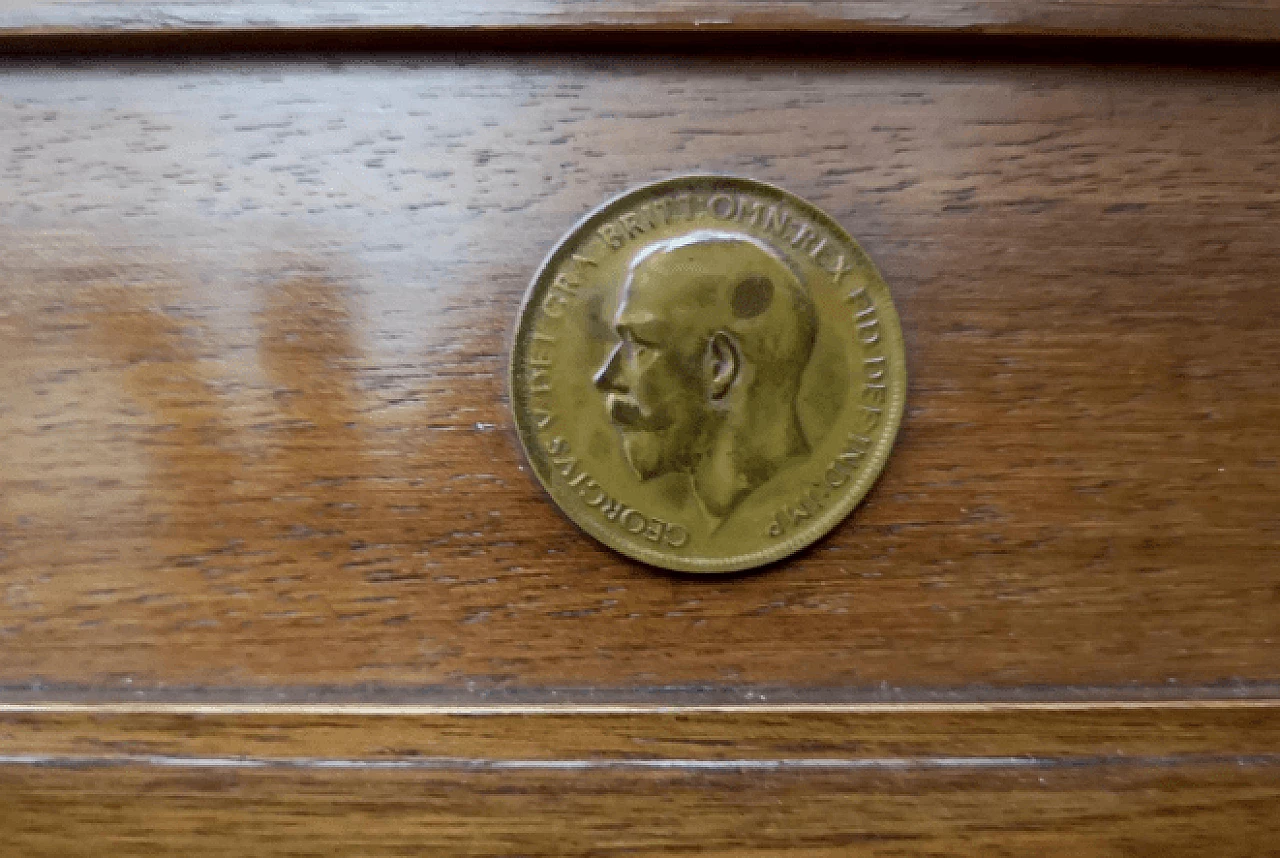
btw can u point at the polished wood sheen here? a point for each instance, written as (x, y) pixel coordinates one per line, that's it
(274, 580)
(1221, 810)
(255, 321)
(438, 21)
(795, 736)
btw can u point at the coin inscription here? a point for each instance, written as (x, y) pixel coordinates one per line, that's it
(707, 374)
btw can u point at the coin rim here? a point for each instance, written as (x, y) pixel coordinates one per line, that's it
(874, 464)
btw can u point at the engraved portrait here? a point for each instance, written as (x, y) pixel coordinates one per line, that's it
(714, 332)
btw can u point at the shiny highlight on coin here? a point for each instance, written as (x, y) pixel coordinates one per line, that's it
(707, 374)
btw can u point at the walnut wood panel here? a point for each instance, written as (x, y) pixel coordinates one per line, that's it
(1246, 20)
(254, 318)
(1117, 810)
(812, 734)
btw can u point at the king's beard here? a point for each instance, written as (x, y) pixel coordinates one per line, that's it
(643, 451)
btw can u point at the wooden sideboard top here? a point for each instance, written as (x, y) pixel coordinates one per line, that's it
(274, 579)
(256, 318)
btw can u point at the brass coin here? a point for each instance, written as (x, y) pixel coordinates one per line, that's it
(707, 373)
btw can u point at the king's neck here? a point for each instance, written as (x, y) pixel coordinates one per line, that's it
(749, 447)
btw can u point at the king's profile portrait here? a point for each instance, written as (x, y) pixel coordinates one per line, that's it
(714, 332)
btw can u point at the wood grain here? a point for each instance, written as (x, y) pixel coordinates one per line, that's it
(1052, 810)
(885, 735)
(254, 318)
(1178, 778)
(438, 21)
(259, 488)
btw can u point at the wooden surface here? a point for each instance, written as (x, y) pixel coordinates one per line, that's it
(438, 21)
(1013, 779)
(255, 322)
(797, 736)
(1219, 810)
(274, 579)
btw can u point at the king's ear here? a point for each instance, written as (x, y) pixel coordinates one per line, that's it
(723, 362)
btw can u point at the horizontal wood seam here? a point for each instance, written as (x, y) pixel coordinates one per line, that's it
(359, 710)
(641, 764)
(861, 41)
(641, 738)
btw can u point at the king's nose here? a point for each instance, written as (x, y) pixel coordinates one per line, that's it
(606, 377)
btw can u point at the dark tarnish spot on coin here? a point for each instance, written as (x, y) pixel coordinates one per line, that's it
(601, 444)
(675, 492)
(599, 327)
(751, 297)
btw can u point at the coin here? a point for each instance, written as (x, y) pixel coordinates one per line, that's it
(707, 373)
